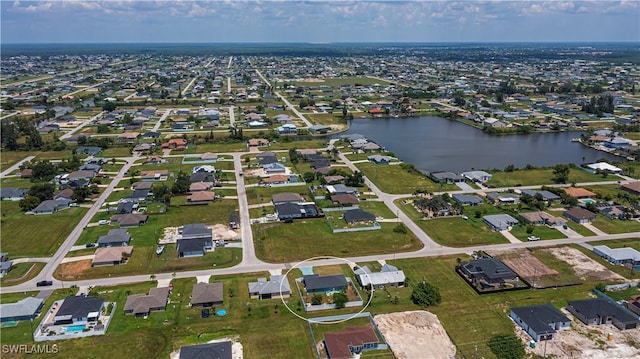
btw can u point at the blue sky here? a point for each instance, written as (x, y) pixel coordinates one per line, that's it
(318, 21)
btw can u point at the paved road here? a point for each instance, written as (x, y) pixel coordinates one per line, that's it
(56, 259)
(83, 124)
(248, 251)
(294, 109)
(13, 168)
(232, 116)
(156, 127)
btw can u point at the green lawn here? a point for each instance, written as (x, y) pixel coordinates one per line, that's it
(543, 232)
(580, 229)
(21, 273)
(619, 243)
(116, 152)
(25, 235)
(614, 226)
(538, 177)
(286, 242)
(378, 208)
(395, 180)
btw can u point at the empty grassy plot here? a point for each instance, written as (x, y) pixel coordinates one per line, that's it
(21, 273)
(286, 242)
(614, 226)
(542, 232)
(394, 179)
(538, 176)
(26, 235)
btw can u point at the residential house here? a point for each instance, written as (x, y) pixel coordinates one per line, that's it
(314, 283)
(178, 144)
(25, 309)
(195, 241)
(467, 199)
(477, 176)
(202, 197)
(115, 238)
(12, 193)
(543, 218)
(633, 187)
(154, 175)
(633, 304)
(286, 197)
(5, 266)
(604, 167)
(142, 147)
(79, 309)
(201, 177)
(276, 287)
(289, 211)
(445, 177)
(200, 186)
(341, 189)
(279, 179)
(389, 276)
(354, 216)
(110, 256)
(504, 198)
(287, 128)
(580, 215)
(619, 256)
(129, 220)
(50, 206)
(127, 137)
(379, 160)
(64, 195)
(143, 304)
(81, 174)
(540, 321)
(217, 350)
(350, 343)
(500, 222)
(203, 168)
(333, 179)
(345, 199)
(274, 168)
(257, 142)
(142, 185)
(137, 196)
(613, 211)
(597, 311)
(207, 294)
(579, 193)
(488, 270)
(88, 150)
(546, 195)
(126, 207)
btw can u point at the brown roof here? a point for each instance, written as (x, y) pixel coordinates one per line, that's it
(203, 293)
(580, 213)
(142, 185)
(111, 254)
(633, 187)
(307, 151)
(344, 199)
(337, 343)
(201, 196)
(129, 219)
(286, 197)
(153, 173)
(26, 173)
(208, 155)
(332, 179)
(200, 186)
(65, 193)
(276, 178)
(129, 135)
(578, 192)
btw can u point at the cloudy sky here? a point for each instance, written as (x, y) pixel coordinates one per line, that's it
(318, 21)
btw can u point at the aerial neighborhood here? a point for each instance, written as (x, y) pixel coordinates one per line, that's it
(230, 202)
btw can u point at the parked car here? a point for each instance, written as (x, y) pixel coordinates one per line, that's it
(533, 238)
(103, 221)
(90, 245)
(44, 283)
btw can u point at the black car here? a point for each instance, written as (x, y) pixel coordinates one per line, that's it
(44, 283)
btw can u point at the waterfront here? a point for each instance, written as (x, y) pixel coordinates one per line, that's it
(437, 144)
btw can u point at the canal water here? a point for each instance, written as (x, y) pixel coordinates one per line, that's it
(437, 144)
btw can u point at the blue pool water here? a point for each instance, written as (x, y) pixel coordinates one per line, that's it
(221, 313)
(306, 270)
(75, 328)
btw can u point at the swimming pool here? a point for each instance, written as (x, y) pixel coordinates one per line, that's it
(587, 200)
(75, 328)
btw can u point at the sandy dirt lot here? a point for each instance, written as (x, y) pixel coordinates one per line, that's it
(415, 334)
(72, 269)
(583, 265)
(220, 232)
(525, 264)
(585, 342)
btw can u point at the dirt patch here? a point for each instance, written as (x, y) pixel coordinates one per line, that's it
(526, 265)
(581, 341)
(583, 265)
(222, 232)
(71, 270)
(415, 334)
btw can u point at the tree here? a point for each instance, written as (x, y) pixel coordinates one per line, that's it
(561, 173)
(43, 191)
(28, 203)
(161, 193)
(182, 184)
(80, 194)
(426, 294)
(316, 299)
(9, 135)
(309, 176)
(507, 346)
(109, 106)
(339, 299)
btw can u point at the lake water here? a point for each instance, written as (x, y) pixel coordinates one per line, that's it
(438, 144)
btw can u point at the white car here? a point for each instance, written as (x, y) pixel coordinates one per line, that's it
(533, 238)
(103, 221)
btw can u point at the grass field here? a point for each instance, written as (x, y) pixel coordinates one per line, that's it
(614, 226)
(395, 180)
(378, 208)
(538, 177)
(35, 235)
(280, 242)
(543, 232)
(580, 229)
(21, 273)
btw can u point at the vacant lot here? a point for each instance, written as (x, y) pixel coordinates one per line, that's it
(538, 177)
(393, 179)
(584, 266)
(26, 235)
